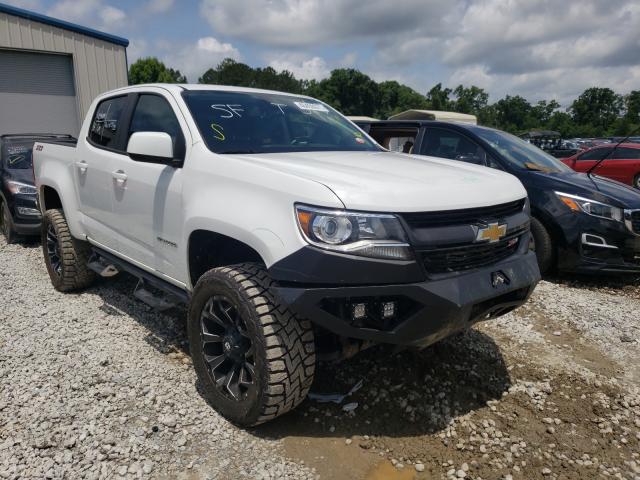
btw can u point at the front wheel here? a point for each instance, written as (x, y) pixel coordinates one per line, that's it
(636, 181)
(254, 357)
(66, 258)
(6, 224)
(542, 244)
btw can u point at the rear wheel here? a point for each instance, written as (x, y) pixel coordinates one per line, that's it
(6, 224)
(254, 357)
(542, 244)
(636, 181)
(66, 258)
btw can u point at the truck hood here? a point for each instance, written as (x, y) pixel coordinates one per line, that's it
(394, 182)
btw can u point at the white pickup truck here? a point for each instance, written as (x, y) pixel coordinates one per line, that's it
(289, 233)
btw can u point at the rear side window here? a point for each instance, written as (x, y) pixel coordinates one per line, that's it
(107, 122)
(450, 144)
(395, 140)
(627, 153)
(154, 114)
(595, 154)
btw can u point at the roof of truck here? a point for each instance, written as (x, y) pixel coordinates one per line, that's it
(180, 87)
(435, 115)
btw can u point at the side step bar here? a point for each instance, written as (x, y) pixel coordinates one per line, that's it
(106, 262)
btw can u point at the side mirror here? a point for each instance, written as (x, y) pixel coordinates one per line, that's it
(152, 147)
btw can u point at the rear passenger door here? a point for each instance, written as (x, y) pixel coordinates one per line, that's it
(147, 198)
(94, 166)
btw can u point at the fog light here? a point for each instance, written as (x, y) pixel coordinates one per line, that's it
(388, 309)
(28, 212)
(359, 311)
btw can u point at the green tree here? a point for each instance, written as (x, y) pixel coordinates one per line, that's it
(632, 107)
(512, 113)
(438, 98)
(541, 113)
(396, 98)
(229, 72)
(349, 91)
(470, 100)
(596, 109)
(152, 70)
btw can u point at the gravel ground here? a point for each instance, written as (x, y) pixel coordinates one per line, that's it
(97, 385)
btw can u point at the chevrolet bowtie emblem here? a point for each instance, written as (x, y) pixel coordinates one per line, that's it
(492, 233)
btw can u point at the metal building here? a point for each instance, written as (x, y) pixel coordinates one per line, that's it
(50, 71)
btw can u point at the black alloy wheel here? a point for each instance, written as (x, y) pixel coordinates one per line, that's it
(227, 348)
(53, 250)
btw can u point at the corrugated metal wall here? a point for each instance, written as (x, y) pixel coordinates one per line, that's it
(98, 65)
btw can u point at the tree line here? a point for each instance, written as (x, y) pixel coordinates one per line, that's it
(597, 112)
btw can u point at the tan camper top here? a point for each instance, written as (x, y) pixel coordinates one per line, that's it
(435, 115)
(356, 118)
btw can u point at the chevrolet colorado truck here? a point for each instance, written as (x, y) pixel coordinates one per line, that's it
(286, 230)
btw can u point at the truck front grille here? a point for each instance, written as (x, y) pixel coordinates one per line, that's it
(468, 216)
(470, 256)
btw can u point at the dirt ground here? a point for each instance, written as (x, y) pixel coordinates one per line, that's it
(527, 396)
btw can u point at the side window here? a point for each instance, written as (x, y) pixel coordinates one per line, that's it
(154, 114)
(107, 121)
(395, 140)
(627, 153)
(450, 144)
(595, 154)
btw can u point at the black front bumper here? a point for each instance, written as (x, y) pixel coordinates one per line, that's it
(25, 224)
(432, 309)
(621, 256)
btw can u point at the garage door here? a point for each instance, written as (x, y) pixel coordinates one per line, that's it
(37, 93)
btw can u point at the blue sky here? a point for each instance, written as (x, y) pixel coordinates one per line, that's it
(535, 48)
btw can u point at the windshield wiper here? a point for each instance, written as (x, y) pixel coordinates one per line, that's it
(597, 164)
(231, 152)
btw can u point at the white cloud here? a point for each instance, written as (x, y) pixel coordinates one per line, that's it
(304, 68)
(93, 13)
(193, 60)
(33, 5)
(111, 16)
(159, 6)
(534, 48)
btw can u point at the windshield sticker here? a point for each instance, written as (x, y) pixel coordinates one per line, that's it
(13, 159)
(313, 107)
(230, 110)
(14, 149)
(280, 106)
(219, 135)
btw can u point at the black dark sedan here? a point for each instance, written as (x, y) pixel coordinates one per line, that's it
(19, 213)
(580, 223)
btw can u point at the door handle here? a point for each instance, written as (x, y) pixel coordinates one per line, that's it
(120, 177)
(82, 166)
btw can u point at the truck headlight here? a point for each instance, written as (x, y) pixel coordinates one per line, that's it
(591, 207)
(377, 235)
(19, 187)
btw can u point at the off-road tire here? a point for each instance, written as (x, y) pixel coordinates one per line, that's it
(544, 247)
(6, 224)
(74, 255)
(284, 349)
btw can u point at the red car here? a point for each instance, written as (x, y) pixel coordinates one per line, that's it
(623, 165)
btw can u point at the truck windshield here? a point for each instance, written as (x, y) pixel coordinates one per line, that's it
(17, 156)
(255, 122)
(520, 153)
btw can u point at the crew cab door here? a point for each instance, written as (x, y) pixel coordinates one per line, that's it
(147, 195)
(93, 169)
